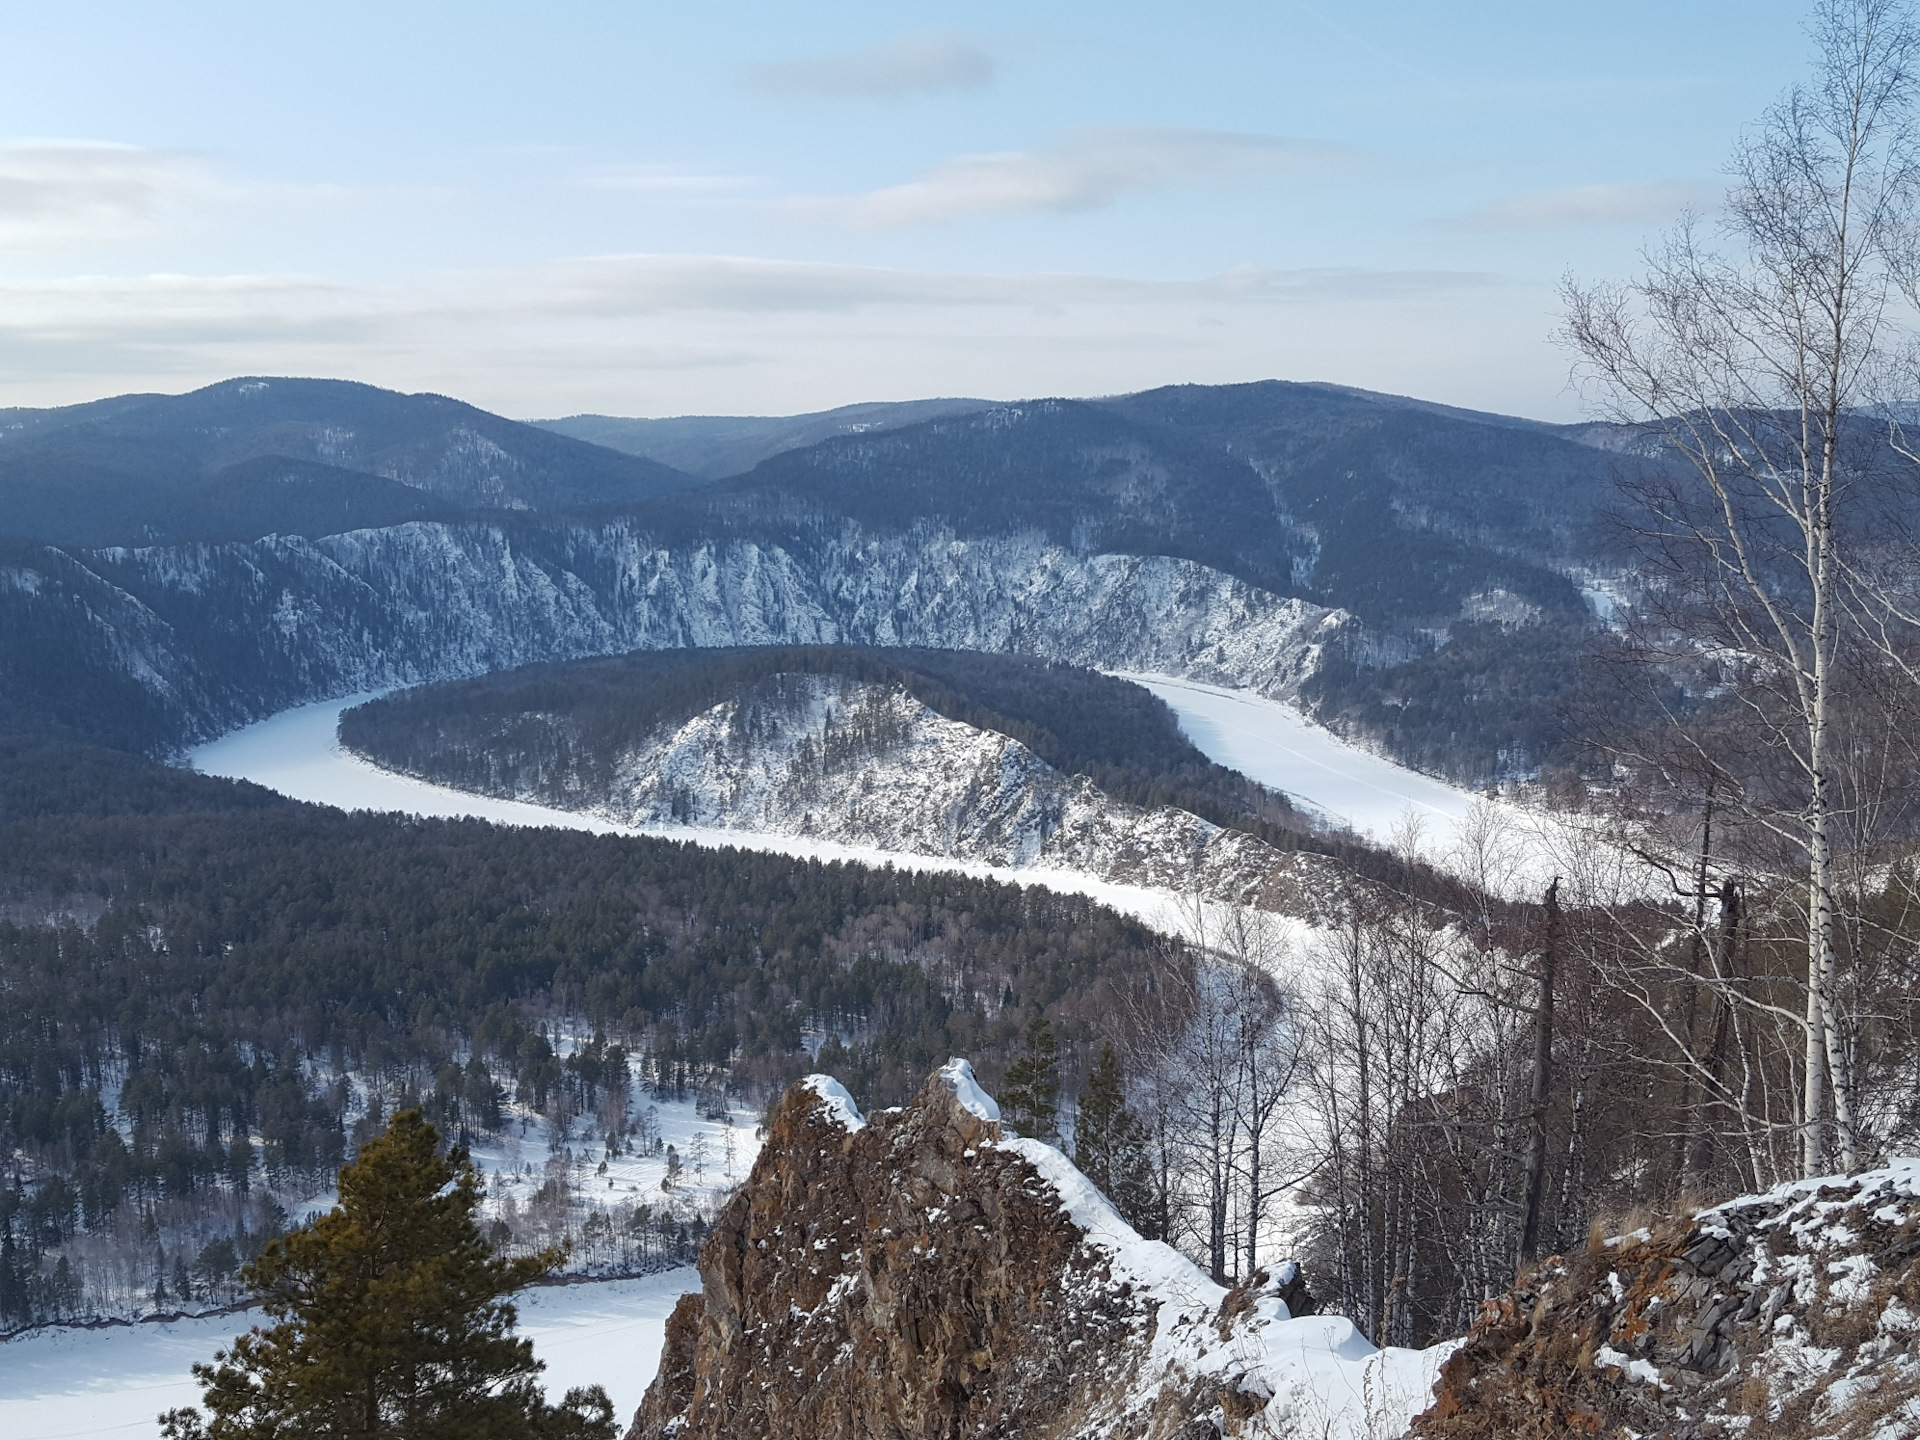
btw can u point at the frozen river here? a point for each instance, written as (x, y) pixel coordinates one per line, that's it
(298, 753)
(65, 1384)
(1276, 745)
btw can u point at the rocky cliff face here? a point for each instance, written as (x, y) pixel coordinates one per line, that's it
(1790, 1314)
(922, 1273)
(215, 635)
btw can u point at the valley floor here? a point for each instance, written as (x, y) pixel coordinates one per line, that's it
(67, 1383)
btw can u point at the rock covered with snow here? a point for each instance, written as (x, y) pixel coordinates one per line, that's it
(923, 1272)
(1791, 1313)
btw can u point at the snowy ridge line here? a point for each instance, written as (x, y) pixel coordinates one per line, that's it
(1165, 1341)
(1318, 1374)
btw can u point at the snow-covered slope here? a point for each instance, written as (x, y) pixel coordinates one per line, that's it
(923, 1271)
(214, 636)
(865, 765)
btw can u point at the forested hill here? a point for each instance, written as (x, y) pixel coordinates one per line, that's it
(1381, 506)
(557, 733)
(201, 977)
(482, 733)
(1424, 561)
(716, 446)
(253, 457)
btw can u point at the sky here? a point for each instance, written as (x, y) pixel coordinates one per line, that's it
(730, 208)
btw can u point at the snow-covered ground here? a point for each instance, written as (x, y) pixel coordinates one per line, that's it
(1273, 743)
(704, 1158)
(65, 1383)
(298, 753)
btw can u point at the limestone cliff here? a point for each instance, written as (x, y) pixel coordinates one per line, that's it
(1793, 1315)
(924, 1274)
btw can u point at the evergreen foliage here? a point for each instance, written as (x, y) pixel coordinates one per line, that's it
(191, 967)
(393, 1320)
(1111, 1145)
(1030, 1096)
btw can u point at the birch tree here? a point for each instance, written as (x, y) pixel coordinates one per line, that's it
(1754, 350)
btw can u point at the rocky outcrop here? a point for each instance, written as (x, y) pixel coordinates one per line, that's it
(1790, 1314)
(923, 1273)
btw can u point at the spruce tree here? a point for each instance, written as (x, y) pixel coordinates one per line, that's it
(1030, 1098)
(393, 1319)
(1110, 1144)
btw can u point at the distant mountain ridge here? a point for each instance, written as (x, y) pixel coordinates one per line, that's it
(716, 446)
(1433, 558)
(169, 468)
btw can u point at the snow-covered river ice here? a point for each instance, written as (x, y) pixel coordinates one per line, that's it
(65, 1383)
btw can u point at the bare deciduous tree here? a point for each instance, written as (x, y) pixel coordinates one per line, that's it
(1754, 353)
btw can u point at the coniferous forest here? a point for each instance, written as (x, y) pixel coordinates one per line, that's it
(211, 992)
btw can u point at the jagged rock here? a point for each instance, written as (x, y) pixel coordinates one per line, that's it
(1795, 1313)
(925, 1274)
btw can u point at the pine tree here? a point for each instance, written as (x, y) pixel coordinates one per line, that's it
(393, 1320)
(1030, 1098)
(1110, 1144)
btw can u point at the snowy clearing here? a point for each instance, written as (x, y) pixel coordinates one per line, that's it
(68, 1383)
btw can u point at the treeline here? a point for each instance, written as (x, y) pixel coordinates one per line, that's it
(203, 980)
(1492, 703)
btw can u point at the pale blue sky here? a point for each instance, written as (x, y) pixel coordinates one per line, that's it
(653, 209)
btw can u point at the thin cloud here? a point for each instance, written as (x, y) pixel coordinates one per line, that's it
(1080, 170)
(168, 309)
(917, 64)
(648, 284)
(664, 180)
(1579, 206)
(56, 193)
